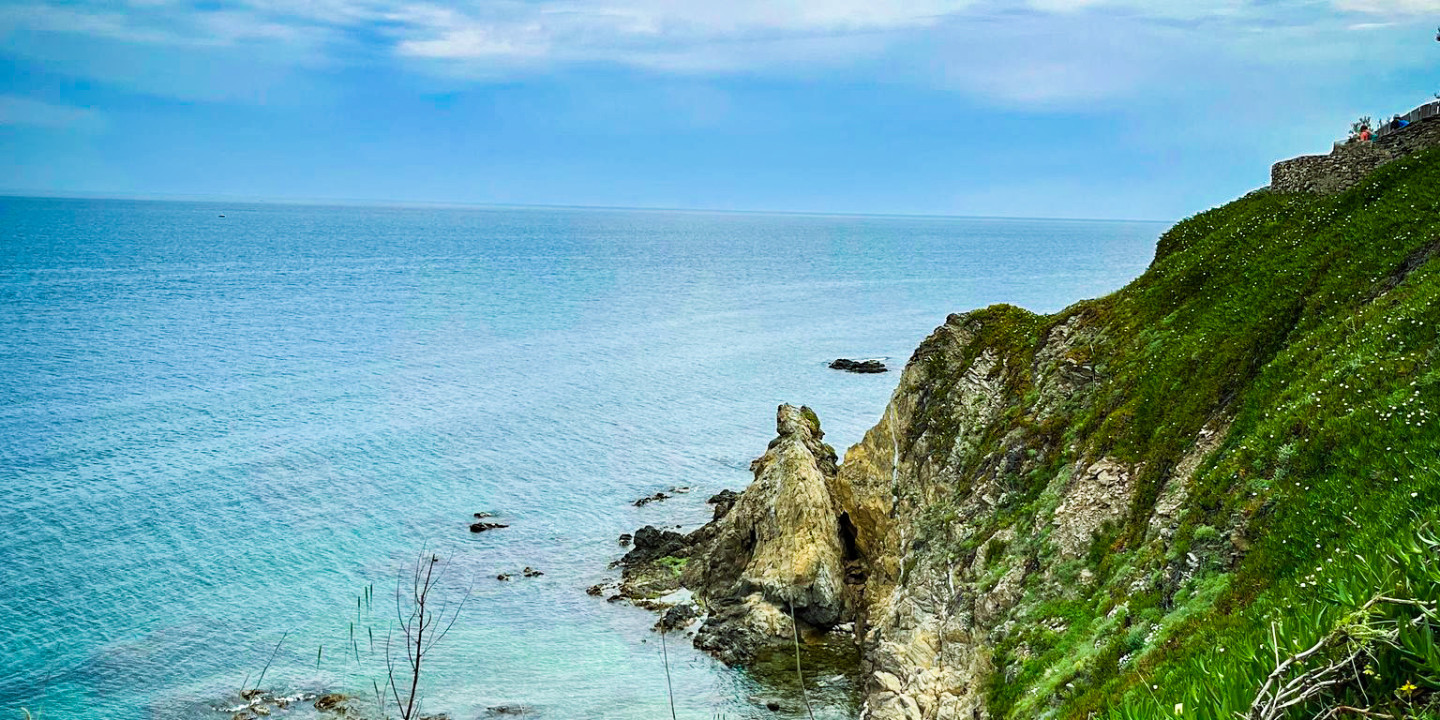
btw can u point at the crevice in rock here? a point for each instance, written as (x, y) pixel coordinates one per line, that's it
(847, 538)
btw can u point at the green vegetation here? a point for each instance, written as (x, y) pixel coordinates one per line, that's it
(1308, 326)
(674, 564)
(1314, 321)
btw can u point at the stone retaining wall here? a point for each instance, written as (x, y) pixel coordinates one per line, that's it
(1348, 163)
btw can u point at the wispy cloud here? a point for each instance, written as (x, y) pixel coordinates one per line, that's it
(1045, 52)
(152, 23)
(1390, 7)
(28, 112)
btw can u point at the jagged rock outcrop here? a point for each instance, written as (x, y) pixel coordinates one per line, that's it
(774, 549)
(779, 548)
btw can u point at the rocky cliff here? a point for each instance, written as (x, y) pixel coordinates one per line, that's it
(774, 552)
(1079, 513)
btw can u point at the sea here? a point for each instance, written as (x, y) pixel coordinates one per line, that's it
(229, 430)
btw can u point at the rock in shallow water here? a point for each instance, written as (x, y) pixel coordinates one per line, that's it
(657, 497)
(858, 366)
(330, 701)
(511, 711)
(677, 617)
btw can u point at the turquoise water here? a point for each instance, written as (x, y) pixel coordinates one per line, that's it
(215, 430)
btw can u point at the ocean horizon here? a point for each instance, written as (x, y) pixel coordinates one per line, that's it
(381, 203)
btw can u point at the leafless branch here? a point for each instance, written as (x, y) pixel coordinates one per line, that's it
(665, 654)
(422, 626)
(273, 653)
(799, 674)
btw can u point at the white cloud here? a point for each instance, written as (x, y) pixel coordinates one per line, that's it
(1158, 9)
(1389, 7)
(17, 110)
(1028, 52)
(439, 33)
(684, 35)
(151, 23)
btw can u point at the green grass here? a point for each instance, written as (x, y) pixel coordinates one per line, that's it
(1311, 323)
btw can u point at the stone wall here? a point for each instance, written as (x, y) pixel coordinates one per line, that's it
(1348, 163)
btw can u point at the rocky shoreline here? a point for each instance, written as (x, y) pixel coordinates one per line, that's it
(771, 565)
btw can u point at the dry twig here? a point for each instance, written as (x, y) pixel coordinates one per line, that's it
(421, 626)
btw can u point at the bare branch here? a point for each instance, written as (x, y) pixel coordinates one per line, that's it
(421, 626)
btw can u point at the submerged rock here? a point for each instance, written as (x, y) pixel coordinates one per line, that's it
(858, 366)
(657, 497)
(331, 701)
(258, 703)
(511, 711)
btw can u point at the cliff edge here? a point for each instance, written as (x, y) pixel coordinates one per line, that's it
(1140, 505)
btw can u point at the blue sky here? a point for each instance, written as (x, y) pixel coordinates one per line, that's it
(1042, 108)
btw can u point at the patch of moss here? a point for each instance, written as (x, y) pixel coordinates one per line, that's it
(811, 418)
(674, 564)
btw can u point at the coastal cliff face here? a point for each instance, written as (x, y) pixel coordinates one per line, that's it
(1054, 508)
(976, 505)
(926, 489)
(1131, 506)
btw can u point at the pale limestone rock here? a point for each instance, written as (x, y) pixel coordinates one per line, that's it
(1166, 516)
(1098, 493)
(778, 550)
(798, 557)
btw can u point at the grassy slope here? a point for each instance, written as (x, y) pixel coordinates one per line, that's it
(1313, 322)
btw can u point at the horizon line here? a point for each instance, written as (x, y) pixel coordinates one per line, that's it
(438, 204)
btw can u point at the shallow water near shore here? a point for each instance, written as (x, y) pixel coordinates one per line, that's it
(218, 430)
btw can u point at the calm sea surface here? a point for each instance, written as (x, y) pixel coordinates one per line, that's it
(216, 430)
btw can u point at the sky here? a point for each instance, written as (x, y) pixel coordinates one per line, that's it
(1133, 109)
